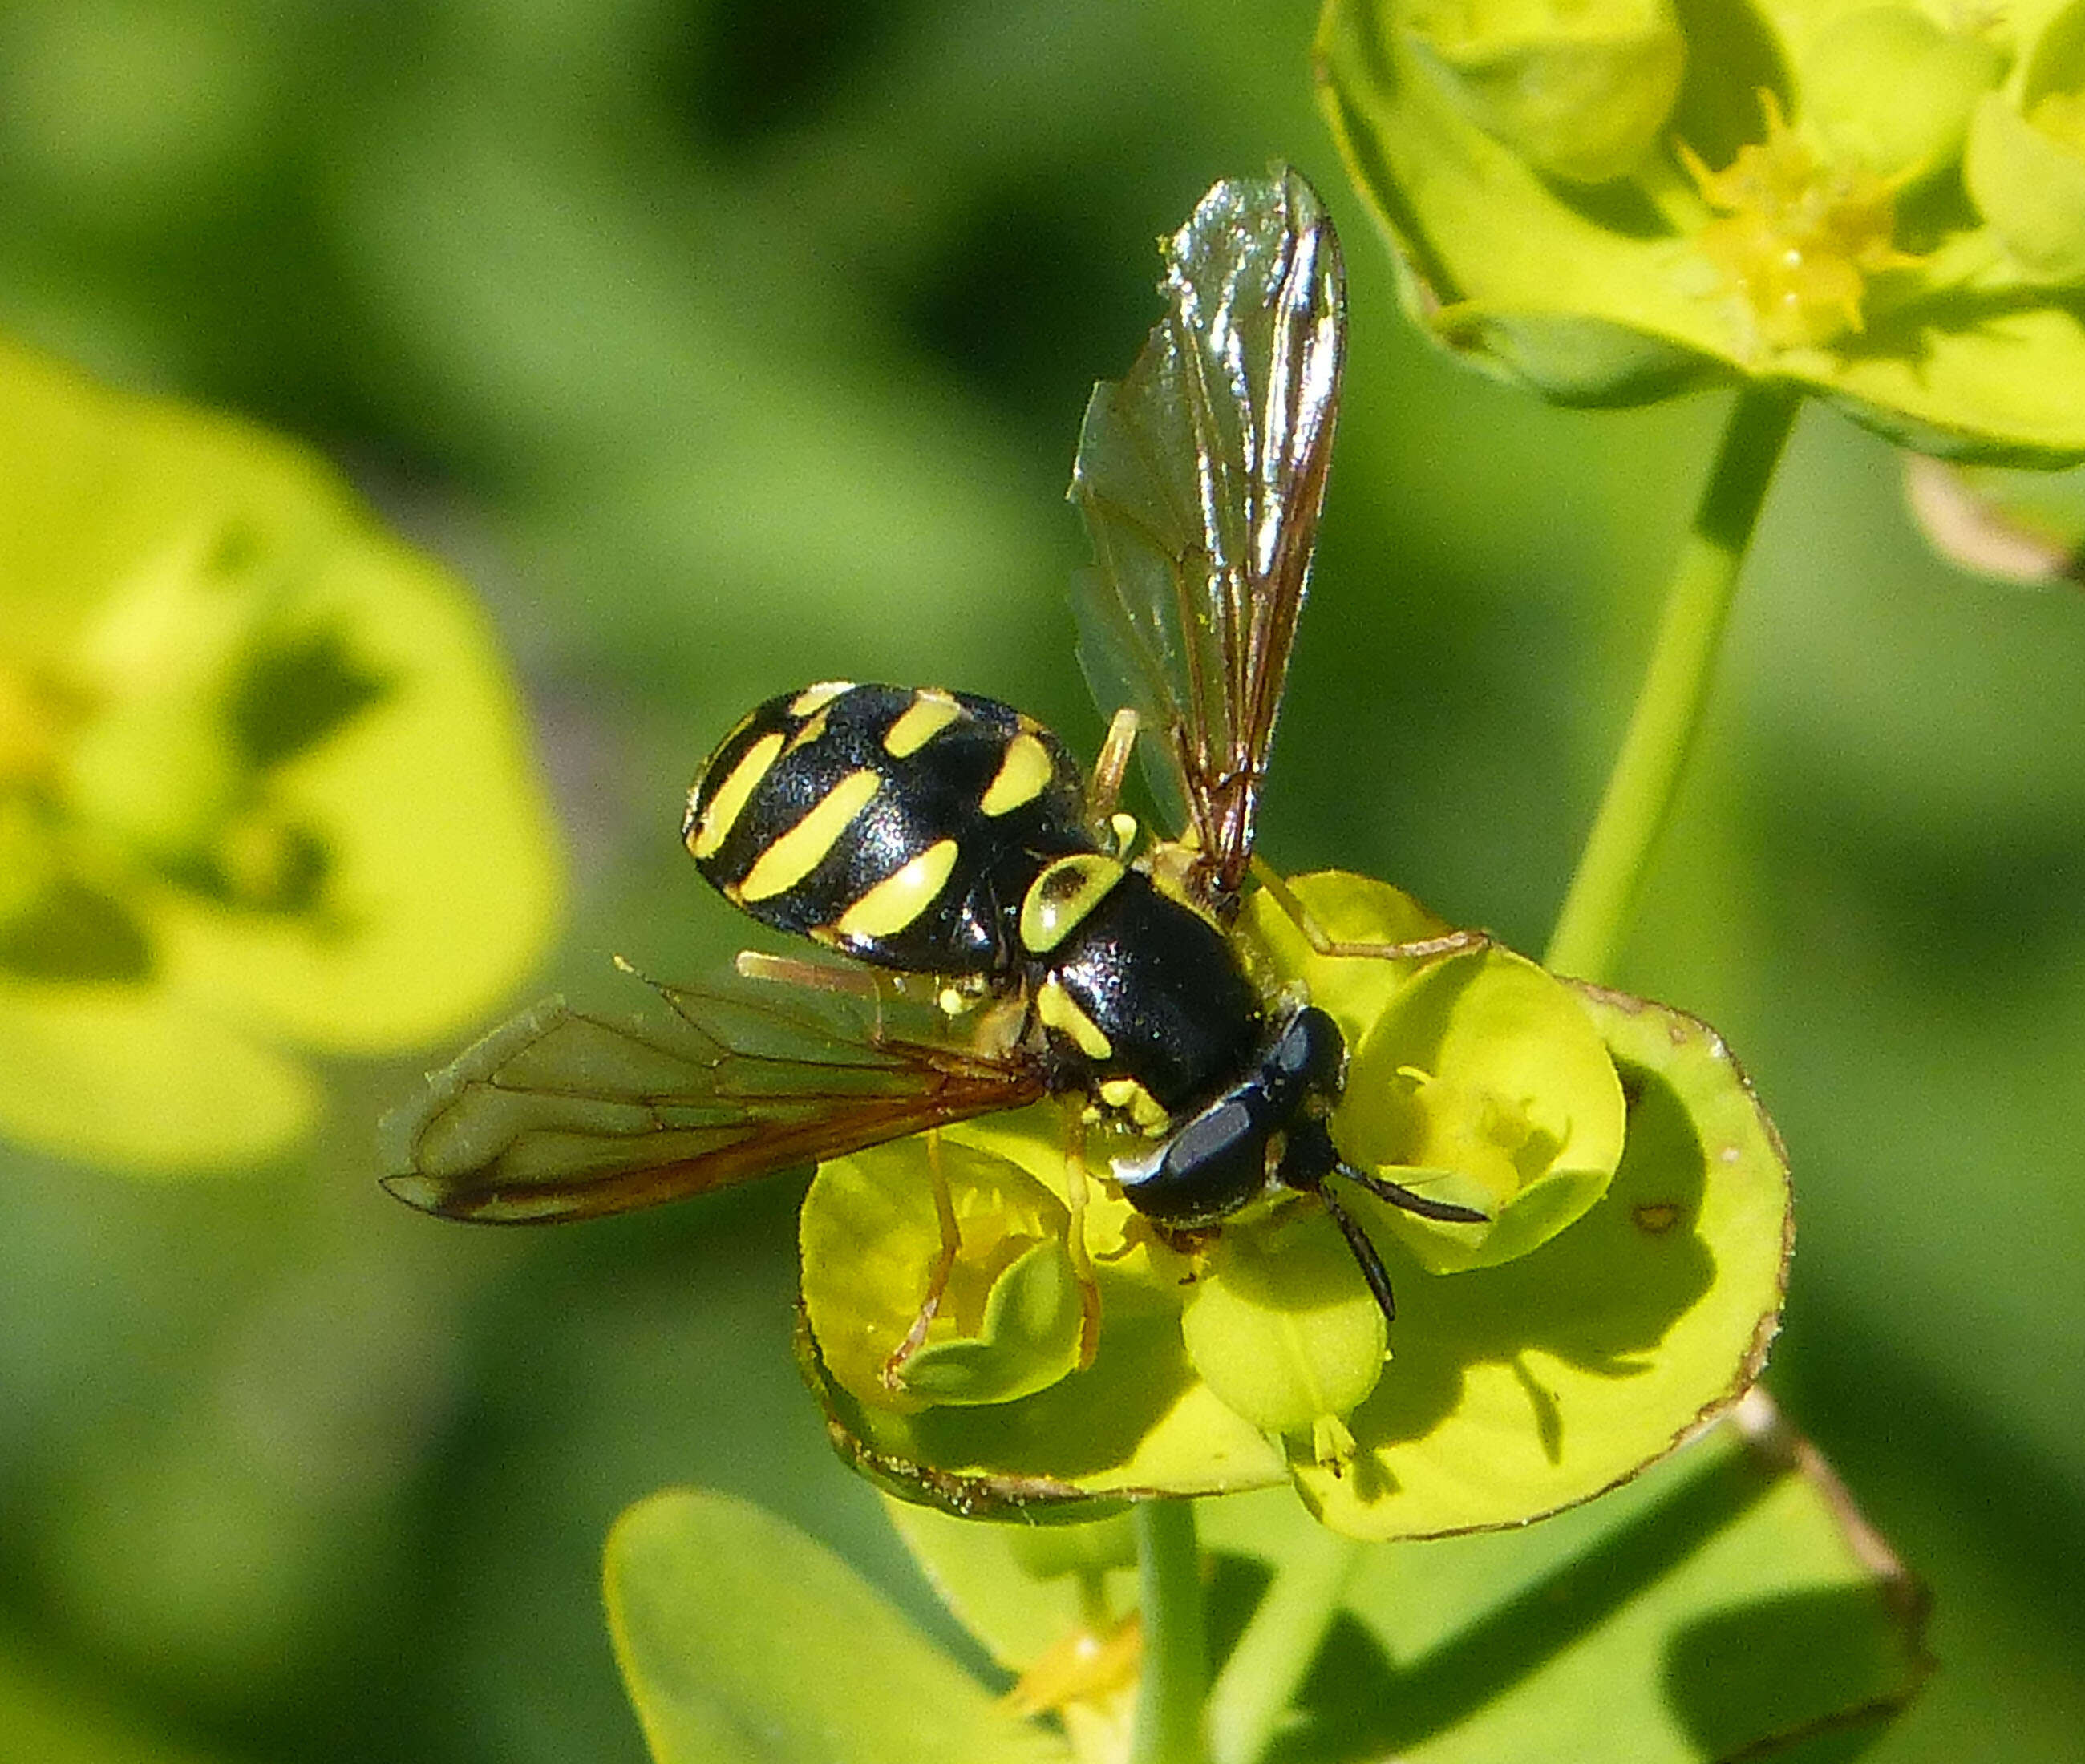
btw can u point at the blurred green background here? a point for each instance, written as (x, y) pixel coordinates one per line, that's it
(725, 347)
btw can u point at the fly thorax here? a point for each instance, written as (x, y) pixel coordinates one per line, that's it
(1156, 984)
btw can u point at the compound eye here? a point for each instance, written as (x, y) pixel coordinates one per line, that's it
(1216, 1135)
(1059, 900)
(1208, 1170)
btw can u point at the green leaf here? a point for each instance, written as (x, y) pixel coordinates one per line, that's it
(263, 785)
(1733, 1597)
(743, 1642)
(1732, 1602)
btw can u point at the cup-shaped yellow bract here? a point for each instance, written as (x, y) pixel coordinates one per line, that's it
(1878, 203)
(1582, 88)
(1623, 1291)
(875, 1237)
(264, 787)
(1477, 1078)
(1486, 1084)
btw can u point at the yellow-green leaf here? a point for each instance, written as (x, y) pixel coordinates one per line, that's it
(1732, 1599)
(743, 1642)
(1732, 1603)
(145, 1082)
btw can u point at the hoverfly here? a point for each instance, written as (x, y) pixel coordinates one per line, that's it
(950, 842)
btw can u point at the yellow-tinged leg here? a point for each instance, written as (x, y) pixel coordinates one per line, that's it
(853, 980)
(1082, 1261)
(1322, 943)
(945, 1265)
(1105, 790)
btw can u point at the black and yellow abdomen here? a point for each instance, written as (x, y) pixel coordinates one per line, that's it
(903, 827)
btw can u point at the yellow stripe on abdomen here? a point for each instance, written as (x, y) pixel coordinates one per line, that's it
(813, 729)
(1023, 774)
(816, 697)
(918, 723)
(720, 815)
(798, 852)
(1059, 1010)
(903, 895)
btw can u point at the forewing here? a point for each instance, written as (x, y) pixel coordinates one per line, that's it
(1200, 477)
(559, 1114)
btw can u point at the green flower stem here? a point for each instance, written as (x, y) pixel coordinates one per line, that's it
(1676, 686)
(1176, 1651)
(1266, 1668)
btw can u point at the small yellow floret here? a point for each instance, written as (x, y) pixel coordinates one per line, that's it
(1081, 1667)
(1798, 236)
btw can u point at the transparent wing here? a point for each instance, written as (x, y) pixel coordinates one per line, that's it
(561, 1115)
(1200, 477)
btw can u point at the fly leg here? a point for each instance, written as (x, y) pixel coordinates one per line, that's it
(937, 1278)
(1104, 792)
(1364, 1253)
(1411, 1201)
(853, 980)
(1082, 1261)
(1322, 943)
